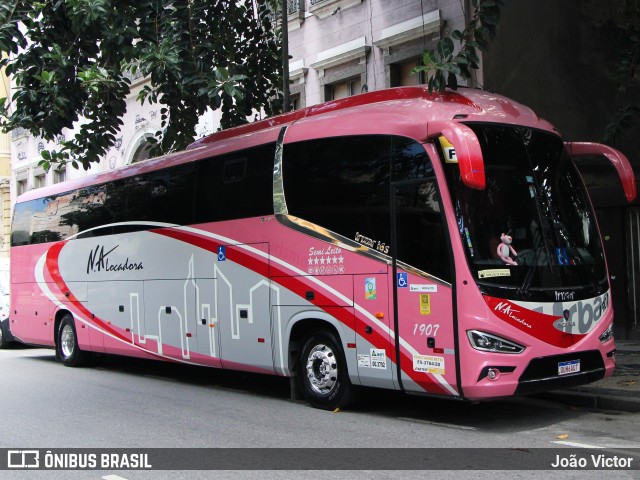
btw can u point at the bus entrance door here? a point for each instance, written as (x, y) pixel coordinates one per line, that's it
(423, 317)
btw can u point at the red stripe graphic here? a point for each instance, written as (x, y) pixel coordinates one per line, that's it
(261, 266)
(297, 285)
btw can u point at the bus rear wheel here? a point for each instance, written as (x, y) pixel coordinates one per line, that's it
(323, 375)
(4, 342)
(67, 349)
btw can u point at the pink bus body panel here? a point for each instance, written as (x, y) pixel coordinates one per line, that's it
(186, 304)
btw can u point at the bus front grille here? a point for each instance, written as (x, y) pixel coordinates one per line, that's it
(542, 373)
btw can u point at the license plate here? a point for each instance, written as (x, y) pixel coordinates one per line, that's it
(572, 366)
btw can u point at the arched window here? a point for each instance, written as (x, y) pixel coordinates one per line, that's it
(141, 151)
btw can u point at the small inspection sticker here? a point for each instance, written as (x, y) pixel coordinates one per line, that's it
(428, 364)
(364, 361)
(496, 272)
(425, 304)
(423, 288)
(378, 358)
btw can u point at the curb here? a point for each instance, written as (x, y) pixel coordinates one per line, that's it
(615, 400)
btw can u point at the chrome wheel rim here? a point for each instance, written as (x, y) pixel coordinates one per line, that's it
(322, 369)
(67, 341)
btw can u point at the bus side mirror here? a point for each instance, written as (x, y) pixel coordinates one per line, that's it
(467, 152)
(617, 159)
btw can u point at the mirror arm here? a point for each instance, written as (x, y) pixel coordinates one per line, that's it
(617, 159)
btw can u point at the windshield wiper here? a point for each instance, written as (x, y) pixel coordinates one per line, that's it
(523, 291)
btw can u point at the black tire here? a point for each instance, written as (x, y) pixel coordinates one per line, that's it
(67, 349)
(4, 342)
(322, 372)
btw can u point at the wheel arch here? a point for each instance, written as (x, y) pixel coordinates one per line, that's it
(301, 325)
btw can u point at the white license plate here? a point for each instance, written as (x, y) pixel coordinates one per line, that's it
(572, 366)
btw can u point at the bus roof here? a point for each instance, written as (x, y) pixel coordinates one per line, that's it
(479, 104)
(408, 110)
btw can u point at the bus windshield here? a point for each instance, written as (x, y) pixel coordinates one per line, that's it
(531, 234)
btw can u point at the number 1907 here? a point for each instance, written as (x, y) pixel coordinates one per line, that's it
(427, 329)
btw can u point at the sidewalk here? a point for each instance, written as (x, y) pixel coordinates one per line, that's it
(620, 392)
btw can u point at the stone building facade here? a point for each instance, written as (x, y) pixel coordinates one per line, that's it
(340, 48)
(5, 181)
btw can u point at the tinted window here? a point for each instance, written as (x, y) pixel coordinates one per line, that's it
(344, 185)
(37, 221)
(421, 238)
(341, 184)
(238, 185)
(164, 196)
(230, 186)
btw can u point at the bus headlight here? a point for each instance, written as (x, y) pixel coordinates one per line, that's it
(607, 334)
(487, 342)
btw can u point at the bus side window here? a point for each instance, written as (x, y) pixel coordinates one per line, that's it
(21, 227)
(234, 170)
(171, 195)
(44, 220)
(421, 236)
(341, 184)
(90, 208)
(239, 185)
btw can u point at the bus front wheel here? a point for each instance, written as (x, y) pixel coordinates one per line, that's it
(322, 374)
(67, 348)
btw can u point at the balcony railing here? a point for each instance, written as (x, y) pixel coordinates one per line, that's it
(294, 6)
(326, 8)
(133, 77)
(18, 133)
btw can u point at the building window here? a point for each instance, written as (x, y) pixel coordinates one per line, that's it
(295, 13)
(401, 76)
(59, 176)
(143, 151)
(294, 102)
(39, 181)
(342, 70)
(348, 88)
(297, 72)
(21, 186)
(402, 45)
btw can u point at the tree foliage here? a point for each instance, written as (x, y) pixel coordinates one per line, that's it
(444, 64)
(71, 60)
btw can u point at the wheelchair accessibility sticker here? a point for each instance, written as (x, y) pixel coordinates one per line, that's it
(403, 280)
(222, 253)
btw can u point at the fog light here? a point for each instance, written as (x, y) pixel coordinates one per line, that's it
(493, 374)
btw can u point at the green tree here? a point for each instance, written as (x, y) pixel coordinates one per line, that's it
(445, 64)
(70, 60)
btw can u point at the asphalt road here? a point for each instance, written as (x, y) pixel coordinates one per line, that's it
(133, 404)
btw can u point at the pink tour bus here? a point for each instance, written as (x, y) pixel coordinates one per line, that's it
(438, 244)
